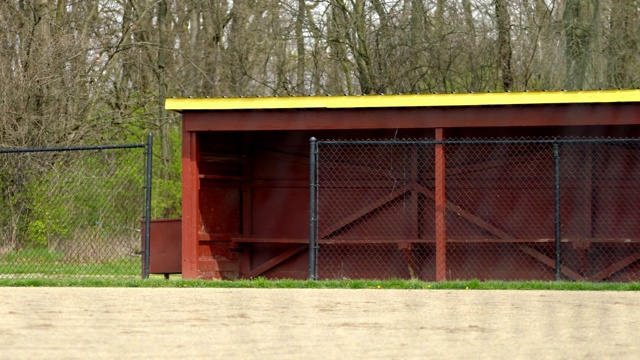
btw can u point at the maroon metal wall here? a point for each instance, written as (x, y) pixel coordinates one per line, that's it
(165, 252)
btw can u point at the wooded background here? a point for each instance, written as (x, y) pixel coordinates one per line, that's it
(77, 72)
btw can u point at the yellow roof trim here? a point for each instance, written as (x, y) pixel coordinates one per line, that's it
(399, 101)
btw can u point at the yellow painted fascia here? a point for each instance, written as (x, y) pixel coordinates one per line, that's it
(400, 101)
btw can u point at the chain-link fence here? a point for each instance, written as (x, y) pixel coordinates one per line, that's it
(73, 212)
(513, 209)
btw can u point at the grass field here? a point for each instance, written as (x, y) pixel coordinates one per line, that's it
(53, 269)
(325, 284)
(42, 263)
(50, 269)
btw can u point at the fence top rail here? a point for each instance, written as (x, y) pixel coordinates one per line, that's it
(76, 148)
(478, 141)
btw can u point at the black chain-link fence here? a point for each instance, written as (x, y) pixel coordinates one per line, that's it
(73, 212)
(513, 209)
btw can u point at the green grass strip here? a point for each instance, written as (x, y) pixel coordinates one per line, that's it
(324, 284)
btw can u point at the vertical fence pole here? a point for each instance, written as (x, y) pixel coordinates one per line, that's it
(313, 220)
(147, 207)
(556, 201)
(440, 208)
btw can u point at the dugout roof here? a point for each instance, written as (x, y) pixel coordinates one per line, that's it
(404, 101)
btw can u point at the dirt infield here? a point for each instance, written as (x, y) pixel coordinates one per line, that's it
(169, 323)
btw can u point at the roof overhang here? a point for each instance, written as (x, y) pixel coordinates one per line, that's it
(404, 101)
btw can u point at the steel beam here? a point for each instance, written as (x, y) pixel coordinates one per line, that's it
(440, 208)
(190, 195)
(414, 118)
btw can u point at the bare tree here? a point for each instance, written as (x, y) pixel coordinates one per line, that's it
(504, 43)
(77, 72)
(623, 44)
(580, 18)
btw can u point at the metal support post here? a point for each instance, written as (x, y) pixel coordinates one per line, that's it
(440, 208)
(556, 200)
(313, 220)
(147, 207)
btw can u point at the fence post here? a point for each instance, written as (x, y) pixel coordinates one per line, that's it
(147, 207)
(440, 208)
(313, 224)
(556, 201)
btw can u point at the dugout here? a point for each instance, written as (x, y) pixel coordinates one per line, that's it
(246, 176)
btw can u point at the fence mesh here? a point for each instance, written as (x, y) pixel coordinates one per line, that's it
(71, 213)
(514, 209)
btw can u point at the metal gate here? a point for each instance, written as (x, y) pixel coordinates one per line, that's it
(507, 209)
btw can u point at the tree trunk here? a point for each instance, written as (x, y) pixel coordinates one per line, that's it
(337, 32)
(622, 42)
(504, 43)
(360, 49)
(300, 61)
(578, 19)
(163, 120)
(468, 20)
